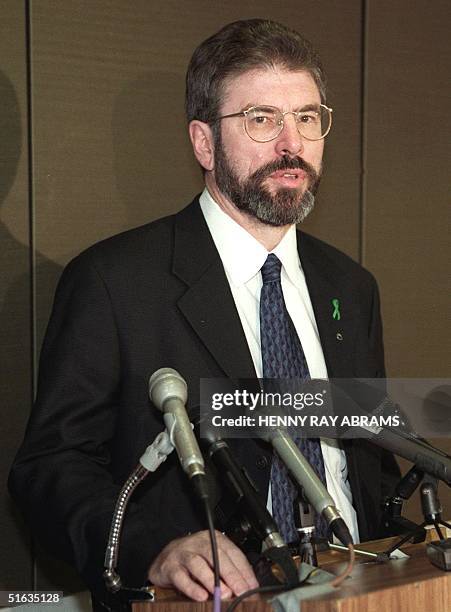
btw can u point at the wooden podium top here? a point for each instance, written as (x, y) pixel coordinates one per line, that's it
(402, 585)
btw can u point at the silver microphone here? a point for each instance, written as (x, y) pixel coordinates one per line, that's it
(168, 392)
(304, 474)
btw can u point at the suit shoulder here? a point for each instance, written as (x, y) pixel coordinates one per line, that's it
(144, 246)
(332, 258)
(125, 256)
(145, 239)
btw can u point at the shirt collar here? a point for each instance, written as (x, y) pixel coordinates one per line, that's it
(241, 254)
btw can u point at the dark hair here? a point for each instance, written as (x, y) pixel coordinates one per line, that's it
(238, 47)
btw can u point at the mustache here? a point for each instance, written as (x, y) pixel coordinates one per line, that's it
(285, 163)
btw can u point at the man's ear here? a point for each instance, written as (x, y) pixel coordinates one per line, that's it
(202, 140)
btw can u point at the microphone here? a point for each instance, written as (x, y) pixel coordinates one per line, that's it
(303, 473)
(244, 495)
(239, 485)
(400, 441)
(168, 392)
(423, 455)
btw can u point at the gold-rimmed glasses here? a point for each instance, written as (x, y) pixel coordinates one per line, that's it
(265, 123)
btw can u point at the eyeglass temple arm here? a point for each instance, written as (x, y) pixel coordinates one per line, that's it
(240, 114)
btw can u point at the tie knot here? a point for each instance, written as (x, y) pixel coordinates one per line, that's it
(271, 269)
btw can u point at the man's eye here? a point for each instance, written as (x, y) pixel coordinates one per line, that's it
(263, 119)
(308, 118)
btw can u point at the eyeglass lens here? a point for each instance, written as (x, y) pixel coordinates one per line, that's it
(265, 123)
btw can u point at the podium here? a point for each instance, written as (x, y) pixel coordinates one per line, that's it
(402, 585)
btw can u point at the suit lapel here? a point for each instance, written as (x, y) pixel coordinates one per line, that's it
(208, 304)
(326, 283)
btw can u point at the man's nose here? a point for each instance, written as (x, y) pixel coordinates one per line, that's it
(289, 141)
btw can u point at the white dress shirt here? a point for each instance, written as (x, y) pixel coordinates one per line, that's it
(242, 257)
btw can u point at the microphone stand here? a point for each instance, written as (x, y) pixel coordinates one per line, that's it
(431, 508)
(392, 519)
(304, 523)
(153, 457)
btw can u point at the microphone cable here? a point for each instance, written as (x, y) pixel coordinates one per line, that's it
(336, 582)
(348, 569)
(203, 494)
(215, 558)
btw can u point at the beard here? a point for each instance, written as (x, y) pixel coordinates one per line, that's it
(284, 207)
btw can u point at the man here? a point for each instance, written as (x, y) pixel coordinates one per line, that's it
(184, 292)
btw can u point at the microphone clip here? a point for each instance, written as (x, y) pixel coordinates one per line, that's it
(157, 452)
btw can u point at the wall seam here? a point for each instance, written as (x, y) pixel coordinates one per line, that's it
(31, 235)
(363, 133)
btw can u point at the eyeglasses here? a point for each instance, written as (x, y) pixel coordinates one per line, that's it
(264, 123)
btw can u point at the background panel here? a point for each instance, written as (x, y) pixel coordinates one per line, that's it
(15, 305)
(408, 196)
(407, 199)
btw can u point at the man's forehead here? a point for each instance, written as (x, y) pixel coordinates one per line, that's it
(268, 84)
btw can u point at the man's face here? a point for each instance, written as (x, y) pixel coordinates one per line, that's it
(272, 181)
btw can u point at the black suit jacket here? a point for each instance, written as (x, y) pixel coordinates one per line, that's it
(157, 296)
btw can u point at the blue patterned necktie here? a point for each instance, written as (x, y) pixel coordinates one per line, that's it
(283, 357)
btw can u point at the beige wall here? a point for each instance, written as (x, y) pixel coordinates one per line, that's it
(406, 200)
(15, 289)
(96, 143)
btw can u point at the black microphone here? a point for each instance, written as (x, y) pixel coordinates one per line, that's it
(400, 441)
(303, 473)
(426, 457)
(245, 495)
(168, 392)
(238, 484)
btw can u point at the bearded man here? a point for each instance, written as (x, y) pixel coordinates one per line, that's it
(186, 292)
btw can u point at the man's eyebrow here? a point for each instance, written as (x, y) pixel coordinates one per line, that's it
(306, 107)
(257, 105)
(310, 107)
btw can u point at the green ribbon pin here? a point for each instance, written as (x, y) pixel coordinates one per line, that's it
(336, 313)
